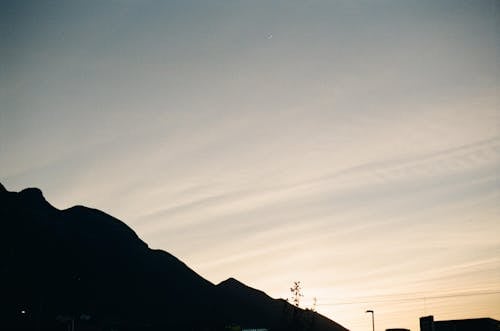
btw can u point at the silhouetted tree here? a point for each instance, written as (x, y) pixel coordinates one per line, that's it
(296, 290)
(295, 318)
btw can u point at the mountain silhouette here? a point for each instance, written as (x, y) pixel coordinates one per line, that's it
(82, 269)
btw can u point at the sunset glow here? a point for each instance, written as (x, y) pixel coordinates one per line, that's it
(350, 145)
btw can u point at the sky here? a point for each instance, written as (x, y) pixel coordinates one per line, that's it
(350, 145)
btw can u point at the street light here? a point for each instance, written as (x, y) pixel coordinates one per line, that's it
(373, 319)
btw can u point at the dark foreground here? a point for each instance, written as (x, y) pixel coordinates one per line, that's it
(81, 269)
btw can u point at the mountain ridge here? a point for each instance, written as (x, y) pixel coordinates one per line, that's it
(83, 262)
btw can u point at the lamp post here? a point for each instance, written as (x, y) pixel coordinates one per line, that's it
(373, 319)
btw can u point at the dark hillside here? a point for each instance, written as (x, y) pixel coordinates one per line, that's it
(82, 267)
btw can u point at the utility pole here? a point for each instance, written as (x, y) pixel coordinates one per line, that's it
(373, 319)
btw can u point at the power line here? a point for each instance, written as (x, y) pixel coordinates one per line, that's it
(419, 298)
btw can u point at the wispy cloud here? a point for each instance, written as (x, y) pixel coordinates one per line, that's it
(357, 150)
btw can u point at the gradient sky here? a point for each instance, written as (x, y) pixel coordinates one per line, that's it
(351, 145)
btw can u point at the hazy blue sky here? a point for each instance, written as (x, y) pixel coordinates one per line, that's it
(351, 145)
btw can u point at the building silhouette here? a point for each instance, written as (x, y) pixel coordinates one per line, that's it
(427, 323)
